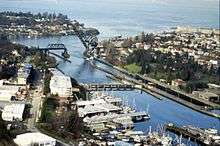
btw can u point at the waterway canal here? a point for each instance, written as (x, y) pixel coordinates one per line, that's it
(126, 17)
(161, 111)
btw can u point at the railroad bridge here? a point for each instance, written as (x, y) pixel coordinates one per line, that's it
(108, 87)
(54, 47)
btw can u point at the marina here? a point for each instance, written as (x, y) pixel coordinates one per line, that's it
(103, 108)
(108, 123)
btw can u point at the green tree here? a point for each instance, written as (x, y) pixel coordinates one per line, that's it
(127, 43)
(142, 37)
(3, 131)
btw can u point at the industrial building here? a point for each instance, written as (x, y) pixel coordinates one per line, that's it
(34, 139)
(6, 92)
(60, 84)
(209, 96)
(91, 110)
(13, 111)
(12, 92)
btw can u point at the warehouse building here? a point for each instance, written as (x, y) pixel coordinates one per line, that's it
(13, 111)
(34, 139)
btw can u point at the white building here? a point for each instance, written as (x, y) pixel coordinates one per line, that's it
(60, 84)
(6, 95)
(38, 139)
(7, 91)
(94, 107)
(13, 111)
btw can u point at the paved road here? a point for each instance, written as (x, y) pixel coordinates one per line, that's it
(36, 96)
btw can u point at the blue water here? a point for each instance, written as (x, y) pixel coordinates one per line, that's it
(127, 17)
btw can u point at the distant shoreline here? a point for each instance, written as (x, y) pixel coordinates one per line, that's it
(189, 29)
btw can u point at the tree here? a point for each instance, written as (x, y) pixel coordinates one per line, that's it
(3, 131)
(39, 15)
(127, 43)
(218, 73)
(142, 37)
(74, 123)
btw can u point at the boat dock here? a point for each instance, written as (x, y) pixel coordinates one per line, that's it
(204, 137)
(108, 87)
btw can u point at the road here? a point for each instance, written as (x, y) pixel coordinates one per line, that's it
(36, 96)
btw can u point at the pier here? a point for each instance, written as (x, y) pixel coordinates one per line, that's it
(108, 87)
(204, 137)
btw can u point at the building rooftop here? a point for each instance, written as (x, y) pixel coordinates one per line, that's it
(28, 139)
(90, 102)
(90, 109)
(13, 111)
(61, 81)
(60, 84)
(113, 100)
(98, 108)
(6, 95)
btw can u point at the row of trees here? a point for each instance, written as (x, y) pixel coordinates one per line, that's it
(45, 15)
(28, 18)
(5, 136)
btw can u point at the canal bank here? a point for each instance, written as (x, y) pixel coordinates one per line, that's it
(125, 76)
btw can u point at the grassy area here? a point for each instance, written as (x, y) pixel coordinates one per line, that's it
(48, 110)
(133, 68)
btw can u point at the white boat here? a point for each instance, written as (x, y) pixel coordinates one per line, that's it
(211, 131)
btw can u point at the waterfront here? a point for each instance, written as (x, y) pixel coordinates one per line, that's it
(161, 111)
